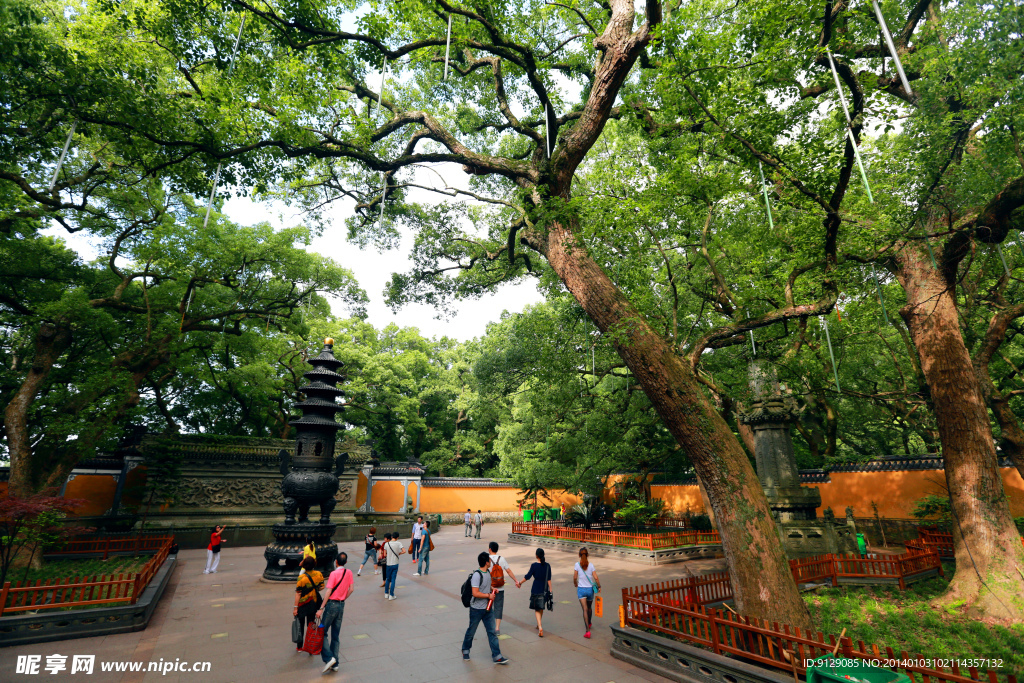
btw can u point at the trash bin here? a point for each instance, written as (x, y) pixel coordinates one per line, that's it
(542, 514)
(829, 670)
(862, 545)
(527, 515)
(438, 523)
(556, 513)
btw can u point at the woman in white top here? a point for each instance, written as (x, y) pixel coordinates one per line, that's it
(584, 577)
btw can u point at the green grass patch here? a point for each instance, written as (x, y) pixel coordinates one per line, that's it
(62, 569)
(904, 620)
(84, 570)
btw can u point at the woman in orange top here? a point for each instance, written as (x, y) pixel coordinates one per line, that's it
(307, 596)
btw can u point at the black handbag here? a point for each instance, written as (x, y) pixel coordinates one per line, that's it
(297, 633)
(550, 600)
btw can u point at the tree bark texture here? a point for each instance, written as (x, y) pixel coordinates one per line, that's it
(50, 342)
(988, 548)
(760, 573)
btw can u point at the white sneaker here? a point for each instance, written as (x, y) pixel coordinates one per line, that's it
(391, 597)
(330, 665)
(206, 571)
(416, 574)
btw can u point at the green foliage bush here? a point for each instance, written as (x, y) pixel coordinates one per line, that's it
(637, 514)
(936, 510)
(701, 522)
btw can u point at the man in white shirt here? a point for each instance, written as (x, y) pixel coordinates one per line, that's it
(392, 549)
(479, 519)
(417, 538)
(469, 523)
(499, 600)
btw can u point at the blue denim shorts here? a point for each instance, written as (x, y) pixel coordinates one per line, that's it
(587, 593)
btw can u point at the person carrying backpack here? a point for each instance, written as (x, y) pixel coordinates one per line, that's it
(382, 560)
(476, 594)
(392, 549)
(499, 567)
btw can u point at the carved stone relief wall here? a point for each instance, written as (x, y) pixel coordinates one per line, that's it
(242, 492)
(346, 495)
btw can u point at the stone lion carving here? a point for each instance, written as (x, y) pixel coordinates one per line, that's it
(196, 492)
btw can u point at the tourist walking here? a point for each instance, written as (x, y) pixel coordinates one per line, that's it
(417, 536)
(213, 550)
(308, 600)
(340, 585)
(479, 519)
(309, 550)
(469, 523)
(499, 567)
(584, 577)
(382, 561)
(392, 549)
(540, 572)
(424, 565)
(370, 554)
(478, 611)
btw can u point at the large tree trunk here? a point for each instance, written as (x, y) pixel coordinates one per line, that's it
(1012, 436)
(761, 578)
(988, 548)
(50, 342)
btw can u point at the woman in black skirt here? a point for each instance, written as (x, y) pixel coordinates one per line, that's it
(541, 573)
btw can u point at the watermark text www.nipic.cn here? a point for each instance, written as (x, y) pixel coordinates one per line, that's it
(86, 664)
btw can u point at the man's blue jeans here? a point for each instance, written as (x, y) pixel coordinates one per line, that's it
(390, 576)
(331, 624)
(416, 547)
(487, 617)
(424, 565)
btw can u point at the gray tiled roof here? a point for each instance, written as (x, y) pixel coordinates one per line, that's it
(465, 482)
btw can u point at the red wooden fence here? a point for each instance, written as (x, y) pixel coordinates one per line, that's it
(132, 544)
(782, 647)
(82, 591)
(673, 539)
(939, 541)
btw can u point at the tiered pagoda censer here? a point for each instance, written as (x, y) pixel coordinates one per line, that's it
(310, 474)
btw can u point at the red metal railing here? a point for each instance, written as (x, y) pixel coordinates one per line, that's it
(673, 539)
(82, 591)
(769, 644)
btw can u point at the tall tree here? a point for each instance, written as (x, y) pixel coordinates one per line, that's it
(501, 116)
(946, 183)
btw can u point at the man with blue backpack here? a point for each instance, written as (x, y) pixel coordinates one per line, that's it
(478, 596)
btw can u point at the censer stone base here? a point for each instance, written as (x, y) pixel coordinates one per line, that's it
(285, 553)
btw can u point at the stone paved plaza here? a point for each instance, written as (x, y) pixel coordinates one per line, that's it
(242, 625)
